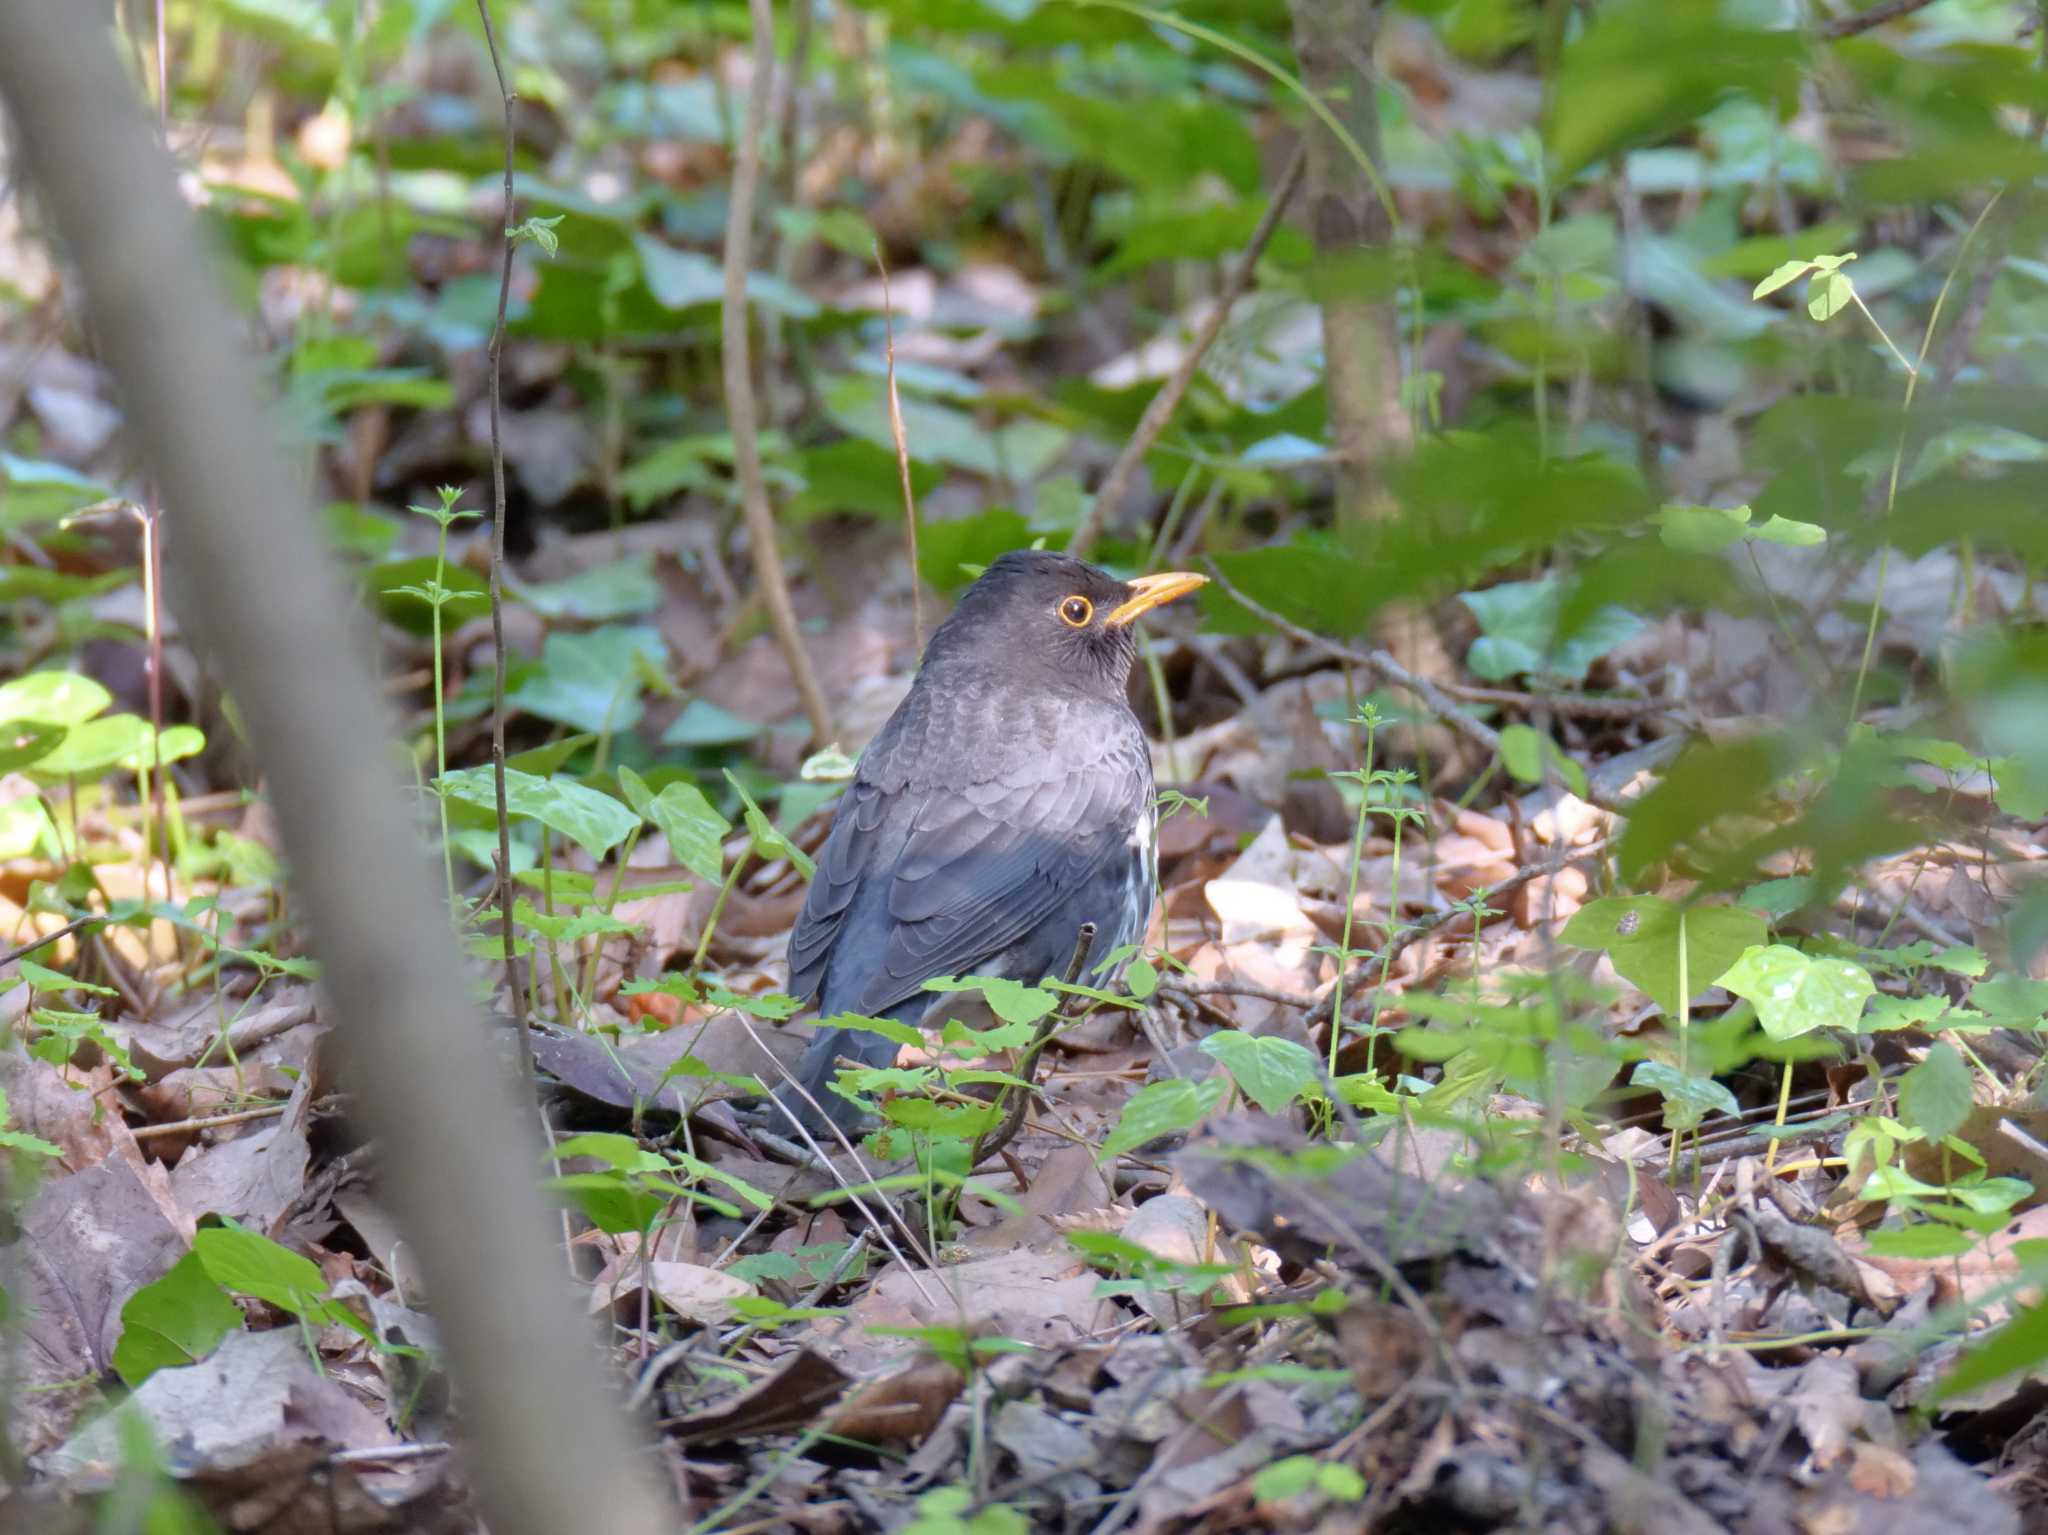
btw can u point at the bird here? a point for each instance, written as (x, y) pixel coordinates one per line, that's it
(1007, 801)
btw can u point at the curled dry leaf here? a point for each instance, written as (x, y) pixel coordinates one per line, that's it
(900, 1408)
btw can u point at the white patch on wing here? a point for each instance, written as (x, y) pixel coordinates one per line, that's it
(1140, 839)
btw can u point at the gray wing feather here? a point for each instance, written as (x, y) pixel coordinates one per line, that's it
(921, 884)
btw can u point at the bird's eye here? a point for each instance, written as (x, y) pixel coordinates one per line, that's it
(1076, 611)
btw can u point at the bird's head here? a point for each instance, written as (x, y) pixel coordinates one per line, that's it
(1051, 613)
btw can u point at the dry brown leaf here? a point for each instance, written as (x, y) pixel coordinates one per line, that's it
(900, 1408)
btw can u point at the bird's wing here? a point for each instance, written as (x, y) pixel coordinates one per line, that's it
(985, 868)
(852, 850)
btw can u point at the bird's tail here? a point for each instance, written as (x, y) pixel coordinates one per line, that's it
(820, 1064)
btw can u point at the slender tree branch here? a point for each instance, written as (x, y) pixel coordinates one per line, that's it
(1862, 21)
(1384, 666)
(740, 411)
(515, 997)
(258, 591)
(1379, 664)
(1159, 410)
(902, 450)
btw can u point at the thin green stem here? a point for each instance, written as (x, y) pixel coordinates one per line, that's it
(732, 878)
(1351, 896)
(1891, 493)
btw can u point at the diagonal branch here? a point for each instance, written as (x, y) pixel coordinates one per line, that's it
(740, 411)
(1862, 21)
(1160, 409)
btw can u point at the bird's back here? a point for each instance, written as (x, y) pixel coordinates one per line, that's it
(984, 825)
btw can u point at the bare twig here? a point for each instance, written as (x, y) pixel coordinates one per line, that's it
(51, 937)
(1379, 664)
(902, 450)
(268, 607)
(740, 411)
(209, 1122)
(1862, 21)
(1163, 404)
(1439, 697)
(515, 999)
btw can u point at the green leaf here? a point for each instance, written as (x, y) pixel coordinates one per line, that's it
(1797, 535)
(1011, 1001)
(95, 746)
(1702, 529)
(768, 842)
(954, 1121)
(595, 822)
(23, 742)
(1160, 1109)
(888, 1028)
(2020, 1344)
(703, 723)
(1287, 1477)
(683, 279)
(1797, 993)
(1829, 294)
(1889, 1012)
(618, 590)
(42, 978)
(590, 680)
(1778, 897)
(21, 1140)
(1270, 1071)
(1935, 1096)
(1142, 977)
(1521, 623)
(1925, 1240)
(52, 698)
(1644, 69)
(34, 491)
(1687, 1099)
(249, 1263)
(1640, 934)
(2011, 1001)
(1786, 274)
(610, 1201)
(692, 825)
(173, 1321)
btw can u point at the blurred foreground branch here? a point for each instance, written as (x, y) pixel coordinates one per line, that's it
(548, 1456)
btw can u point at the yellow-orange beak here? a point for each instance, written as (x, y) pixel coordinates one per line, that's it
(1152, 592)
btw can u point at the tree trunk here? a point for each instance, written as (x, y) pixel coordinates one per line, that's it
(1352, 227)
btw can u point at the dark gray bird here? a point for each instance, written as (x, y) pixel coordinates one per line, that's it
(1007, 801)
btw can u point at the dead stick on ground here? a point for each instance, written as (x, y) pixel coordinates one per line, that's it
(1167, 400)
(902, 450)
(739, 378)
(515, 1000)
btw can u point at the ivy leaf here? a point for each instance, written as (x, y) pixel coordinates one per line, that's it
(1011, 1001)
(769, 843)
(1161, 1109)
(692, 825)
(1797, 993)
(1686, 1099)
(1271, 1071)
(1641, 936)
(1934, 1096)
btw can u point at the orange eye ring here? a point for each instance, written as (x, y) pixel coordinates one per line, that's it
(1075, 612)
